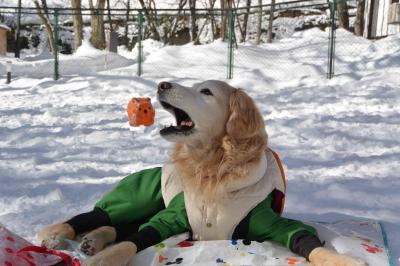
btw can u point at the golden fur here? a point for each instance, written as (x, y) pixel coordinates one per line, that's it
(230, 155)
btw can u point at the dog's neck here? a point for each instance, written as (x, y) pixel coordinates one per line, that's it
(209, 168)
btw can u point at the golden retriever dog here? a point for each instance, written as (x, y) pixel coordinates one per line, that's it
(222, 163)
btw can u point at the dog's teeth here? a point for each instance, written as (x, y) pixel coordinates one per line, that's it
(188, 123)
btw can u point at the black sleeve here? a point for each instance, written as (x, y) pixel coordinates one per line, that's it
(127, 230)
(303, 242)
(88, 221)
(145, 238)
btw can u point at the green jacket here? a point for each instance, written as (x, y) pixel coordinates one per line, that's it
(138, 197)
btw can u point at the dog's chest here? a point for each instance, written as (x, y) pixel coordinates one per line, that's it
(218, 220)
(215, 221)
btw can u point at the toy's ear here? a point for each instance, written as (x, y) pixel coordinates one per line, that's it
(245, 121)
(148, 99)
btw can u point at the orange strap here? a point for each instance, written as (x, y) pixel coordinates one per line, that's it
(278, 160)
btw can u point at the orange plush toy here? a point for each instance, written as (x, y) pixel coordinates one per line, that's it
(140, 112)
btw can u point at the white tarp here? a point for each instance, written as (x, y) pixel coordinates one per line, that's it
(362, 239)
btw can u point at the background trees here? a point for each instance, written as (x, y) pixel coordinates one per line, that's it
(192, 24)
(77, 22)
(43, 13)
(97, 23)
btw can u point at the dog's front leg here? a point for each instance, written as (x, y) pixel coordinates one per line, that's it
(52, 236)
(326, 257)
(95, 241)
(120, 254)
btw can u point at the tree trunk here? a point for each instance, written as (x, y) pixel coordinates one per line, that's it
(78, 23)
(193, 26)
(128, 6)
(271, 21)
(259, 20)
(245, 21)
(97, 23)
(214, 30)
(343, 14)
(359, 22)
(223, 20)
(44, 7)
(197, 41)
(41, 13)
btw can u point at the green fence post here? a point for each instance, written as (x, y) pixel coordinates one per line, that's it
(55, 45)
(231, 23)
(139, 45)
(332, 41)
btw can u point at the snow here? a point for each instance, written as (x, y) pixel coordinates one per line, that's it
(5, 27)
(65, 143)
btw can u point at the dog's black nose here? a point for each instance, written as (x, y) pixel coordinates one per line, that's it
(164, 86)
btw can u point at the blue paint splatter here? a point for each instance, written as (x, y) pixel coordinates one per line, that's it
(219, 260)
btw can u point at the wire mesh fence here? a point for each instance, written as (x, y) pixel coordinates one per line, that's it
(212, 43)
(300, 52)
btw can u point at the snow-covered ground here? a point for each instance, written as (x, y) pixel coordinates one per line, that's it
(64, 143)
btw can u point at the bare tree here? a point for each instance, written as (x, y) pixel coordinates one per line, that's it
(150, 14)
(245, 20)
(172, 29)
(193, 25)
(97, 23)
(128, 6)
(271, 21)
(259, 20)
(343, 14)
(359, 21)
(243, 28)
(77, 22)
(42, 11)
(213, 24)
(223, 31)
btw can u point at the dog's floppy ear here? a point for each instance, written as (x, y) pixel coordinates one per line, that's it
(245, 121)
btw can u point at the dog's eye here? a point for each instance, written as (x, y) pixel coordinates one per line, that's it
(206, 91)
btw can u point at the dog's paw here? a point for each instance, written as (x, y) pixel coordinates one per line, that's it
(90, 245)
(326, 257)
(53, 236)
(95, 241)
(118, 255)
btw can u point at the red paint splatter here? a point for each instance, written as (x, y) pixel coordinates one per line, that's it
(7, 263)
(292, 261)
(9, 250)
(184, 244)
(9, 238)
(29, 256)
(372, 249)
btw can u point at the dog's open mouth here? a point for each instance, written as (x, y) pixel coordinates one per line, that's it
(184, 124)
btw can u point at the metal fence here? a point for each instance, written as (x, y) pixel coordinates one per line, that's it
(231, 57)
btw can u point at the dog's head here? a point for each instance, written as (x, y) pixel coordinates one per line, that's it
(207, 111)
(220, 134)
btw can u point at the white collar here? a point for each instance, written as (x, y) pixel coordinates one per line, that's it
(255, 174)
